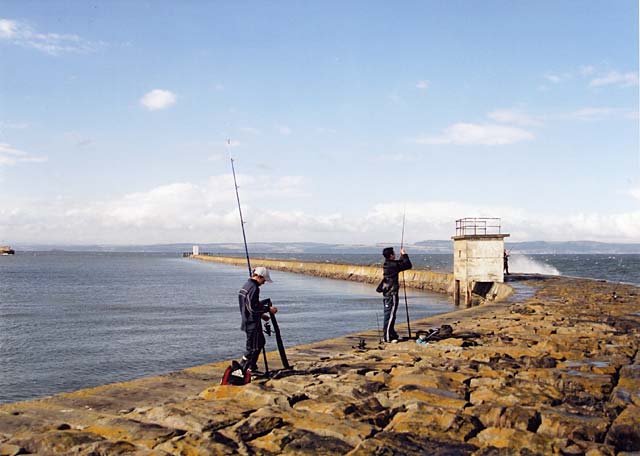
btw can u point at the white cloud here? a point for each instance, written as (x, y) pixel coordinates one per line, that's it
(395, 98)
(78, 139)
(10, 156)
(587, 70)
(21, 34)
(158, 99)
(589, 113)
(250, 130)
(635, 193)
(176, 211)
(207, 212)
(324, 130)
(423, 85)
(284, 130)
(8, 29)
(396, 157)
(216, 157)
(469, 134)
(13, 125)
(436, 220)
(223, 152)
(515, 117)
(615, 78)
(557, 78)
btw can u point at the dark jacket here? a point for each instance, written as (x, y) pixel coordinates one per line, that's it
(391, 269)
(251, 308)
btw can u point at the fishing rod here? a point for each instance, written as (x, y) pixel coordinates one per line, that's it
(274, 321)
(244, 235)
(246, 248)
(404, 285)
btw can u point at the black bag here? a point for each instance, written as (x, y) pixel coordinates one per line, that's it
(234, 375)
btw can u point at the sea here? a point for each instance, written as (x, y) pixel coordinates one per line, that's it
(72, 320)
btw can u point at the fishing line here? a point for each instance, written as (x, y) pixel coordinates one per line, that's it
(404, 285)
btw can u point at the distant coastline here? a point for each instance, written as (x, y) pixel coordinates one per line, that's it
(427, 247)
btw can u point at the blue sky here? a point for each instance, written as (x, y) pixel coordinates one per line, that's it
(114, 118)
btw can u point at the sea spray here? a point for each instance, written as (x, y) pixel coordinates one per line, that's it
(525, 264)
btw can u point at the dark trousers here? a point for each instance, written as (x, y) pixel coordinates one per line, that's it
(390, 309)
(255, 342)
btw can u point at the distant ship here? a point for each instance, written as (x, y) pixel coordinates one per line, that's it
(6, 250)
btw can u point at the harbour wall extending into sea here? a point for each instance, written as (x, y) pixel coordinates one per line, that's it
(422, 279)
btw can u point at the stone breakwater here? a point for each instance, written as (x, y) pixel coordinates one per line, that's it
(552, 372)
(439, 282)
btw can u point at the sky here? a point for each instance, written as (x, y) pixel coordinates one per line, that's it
(118, 120)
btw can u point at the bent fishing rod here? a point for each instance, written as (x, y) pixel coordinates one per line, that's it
(274, 321)
(404, 285)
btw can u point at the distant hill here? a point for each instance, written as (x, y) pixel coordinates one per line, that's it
(429, 246)
(572, 247)
(540, 247)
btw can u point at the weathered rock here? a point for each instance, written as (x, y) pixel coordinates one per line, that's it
(118, 448)
(517, 439)
(310, 443)
(391, 443)
(429, 378)
(256, 425)
(522, 393)
(251, 396)
(55, 442)
(194, 415)
(562, 424)
(199, 445)
(138, 432)
(351, 431)
(628, 389)
(444, 424)
(343, 406)
(515, 417)
(624, 433)
(7, 449)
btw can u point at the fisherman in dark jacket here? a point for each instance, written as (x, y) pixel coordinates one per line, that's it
(253, 311)
(389, 288)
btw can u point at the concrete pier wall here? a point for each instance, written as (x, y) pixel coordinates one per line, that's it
(422, 279)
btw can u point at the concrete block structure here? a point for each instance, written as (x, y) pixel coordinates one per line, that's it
(478, 258)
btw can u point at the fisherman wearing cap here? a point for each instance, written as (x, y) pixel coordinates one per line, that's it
(389, 288)
(253, 310)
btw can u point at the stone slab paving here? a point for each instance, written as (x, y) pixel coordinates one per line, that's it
(554, 371)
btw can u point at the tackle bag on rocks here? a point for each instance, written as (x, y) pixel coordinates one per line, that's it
(233, 375)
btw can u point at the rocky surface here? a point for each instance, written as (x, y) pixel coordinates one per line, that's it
(555, 371)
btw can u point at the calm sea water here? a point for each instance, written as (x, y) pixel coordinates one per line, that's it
(76, 320)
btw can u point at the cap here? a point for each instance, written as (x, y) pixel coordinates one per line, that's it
(263, 272)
